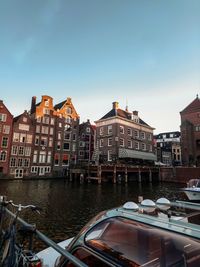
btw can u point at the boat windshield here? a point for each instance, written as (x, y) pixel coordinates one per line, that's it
(131, 243)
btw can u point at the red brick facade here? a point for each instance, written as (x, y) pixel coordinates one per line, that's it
(6, 120)
(190, 133)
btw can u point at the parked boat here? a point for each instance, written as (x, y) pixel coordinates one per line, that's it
(147, 234)
(192, 190)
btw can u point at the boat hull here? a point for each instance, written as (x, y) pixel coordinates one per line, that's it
(192, 194)
(49, 255)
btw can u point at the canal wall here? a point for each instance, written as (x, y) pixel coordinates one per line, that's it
(179, 174)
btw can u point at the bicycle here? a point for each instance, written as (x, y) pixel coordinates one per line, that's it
(14, 253)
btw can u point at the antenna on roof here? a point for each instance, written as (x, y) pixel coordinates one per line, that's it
(126, 105)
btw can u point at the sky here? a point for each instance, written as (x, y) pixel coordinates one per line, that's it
(140, 53)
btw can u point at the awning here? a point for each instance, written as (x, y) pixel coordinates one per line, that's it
(129, 153)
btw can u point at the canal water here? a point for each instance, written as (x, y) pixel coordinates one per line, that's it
(67, 207)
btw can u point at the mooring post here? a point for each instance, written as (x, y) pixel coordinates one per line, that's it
(139, 176)
(126, 175)
(114, 175)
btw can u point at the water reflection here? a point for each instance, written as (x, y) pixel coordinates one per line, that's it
(69, 206)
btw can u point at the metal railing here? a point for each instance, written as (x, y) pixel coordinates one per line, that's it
(48, 241)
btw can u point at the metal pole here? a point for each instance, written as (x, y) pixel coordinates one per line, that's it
(51, 243)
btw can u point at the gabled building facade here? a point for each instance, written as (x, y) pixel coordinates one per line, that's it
(6, 120)
(65, 145)
(21, 146)
(190, 133)
(122, 136)
(86, 142)
(44, 120)
(168, 148)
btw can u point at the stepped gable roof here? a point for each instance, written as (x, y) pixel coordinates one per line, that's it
(194, 106)
(121, 113)
(59, 106)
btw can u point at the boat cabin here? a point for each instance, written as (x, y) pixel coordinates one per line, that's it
(134, 235)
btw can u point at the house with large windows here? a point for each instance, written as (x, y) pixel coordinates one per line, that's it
(6, 120)
(21, 146)
(123, 137)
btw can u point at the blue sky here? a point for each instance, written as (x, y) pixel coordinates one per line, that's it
(142, 52)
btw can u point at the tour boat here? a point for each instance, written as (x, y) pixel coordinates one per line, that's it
(192, 190)
(146, 234)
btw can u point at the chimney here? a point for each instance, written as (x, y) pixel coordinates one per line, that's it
(115, 105)
(33, 104)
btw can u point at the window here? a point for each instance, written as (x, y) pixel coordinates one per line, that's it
(22, 138)
(21, 150)
(3, 117)
(65, 159)
(109, 141)
(101, 143)
(12, 162)
(81, 144)
(35, 155)
(52, 121)
(37, 140)
(109, 155)
(37, 129)
(27, 151)
(58, 145)
(26, 163)
(149, 137)
(73, 147)
(43, 141)
(24, 119)
(66, 136)
(20, 162)
(42, 157)
(121, 142)
(49, 157)
(69, 110)
(51, 131)
(101, 130)
(46, 103)
(121, 129)
(81, 153)
(74, 137)
(60, 124)
(3, 155)
(143, 146)
(14, 150)
(59, 135)
(109, 129)
(129, 131)
(38, 119)
(29, 138)
(50, 141)
(45, 129)
(6, 129)
(88, 129)
(4, 142)
(15, 137)
(137, 145)
(66, 146)
(142, 135)
(45, 120)
(34, 169)
(129, 144)
(56, 159)
(136, 132)
(150, 148)
(46, 111)
(68, 120)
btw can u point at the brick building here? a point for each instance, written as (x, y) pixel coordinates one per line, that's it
(6, 120)
(22, 143)
(122, 136)
(86, 142)
(190, 133)
(168, 148)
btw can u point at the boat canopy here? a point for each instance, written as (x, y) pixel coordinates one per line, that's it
(132, 243)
